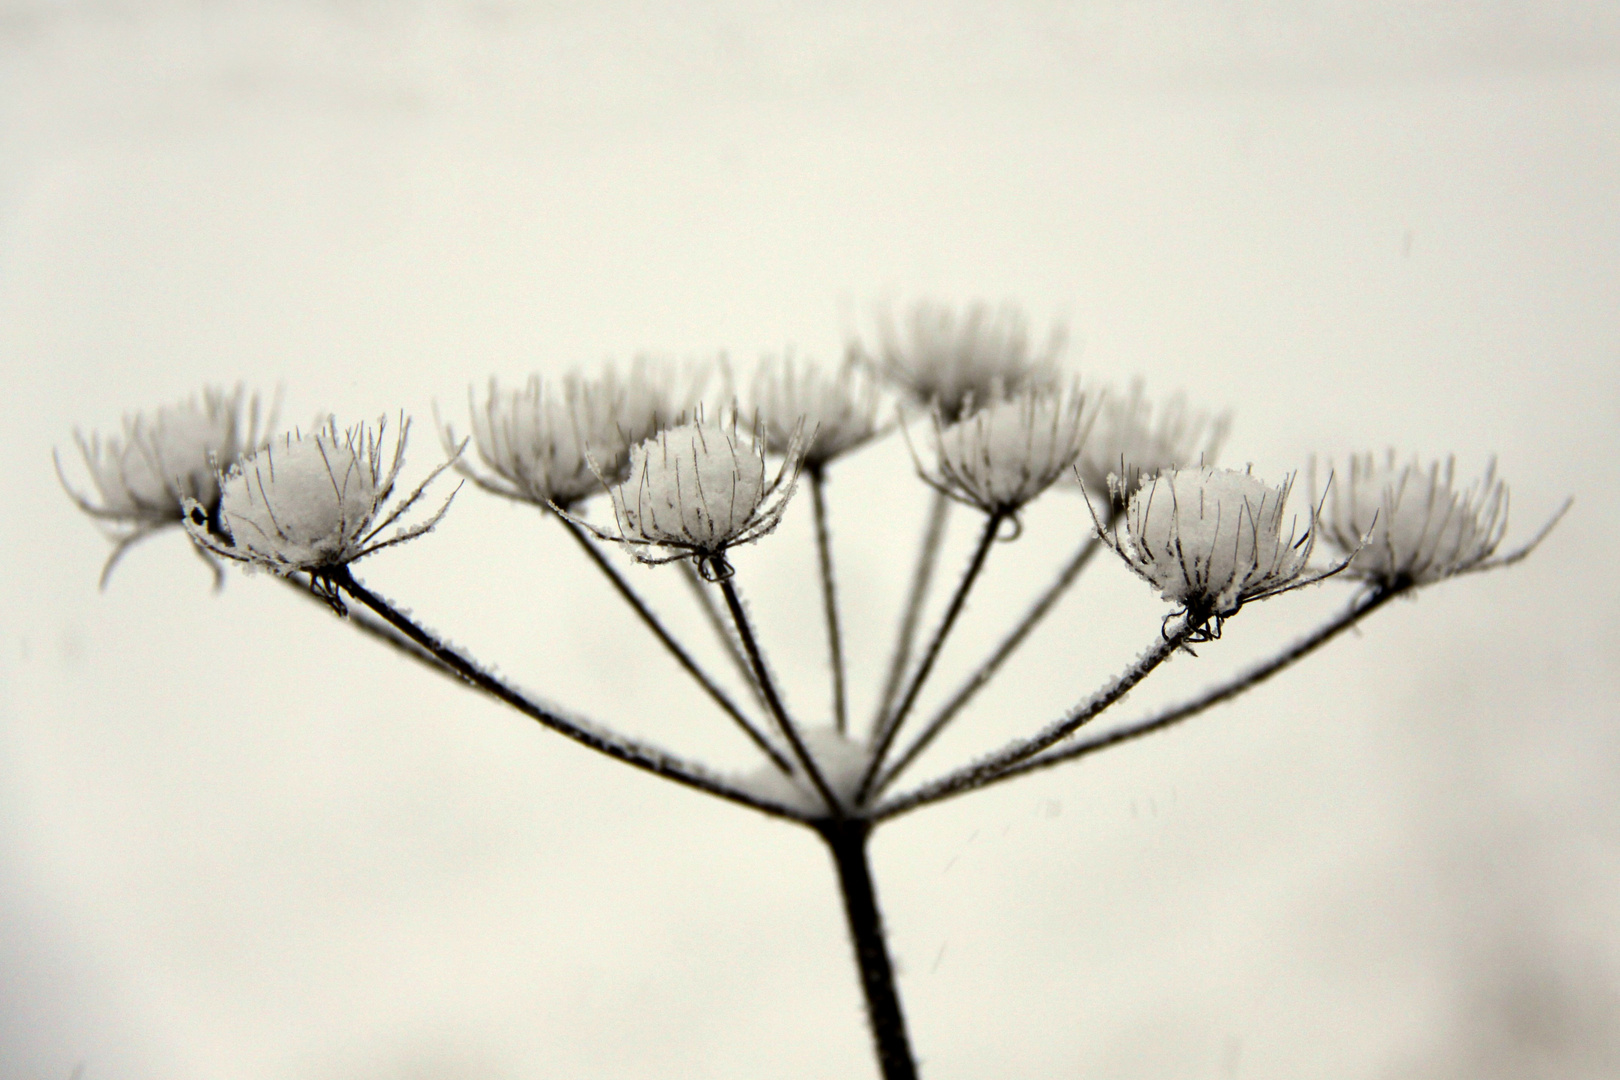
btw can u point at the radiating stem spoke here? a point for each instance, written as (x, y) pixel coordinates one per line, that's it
(829, 596)
(922, 575)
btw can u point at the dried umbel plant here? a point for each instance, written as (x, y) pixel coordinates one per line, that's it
(1208, 541)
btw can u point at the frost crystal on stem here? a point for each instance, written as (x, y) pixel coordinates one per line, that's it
(1211, 540)
(1004, 455)
(951, 361)
(312, 502)
(697, 489)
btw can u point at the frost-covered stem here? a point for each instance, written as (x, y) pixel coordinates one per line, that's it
(987, 769)
(681, 656)
(722, 629)
(927, 556)
(829, 593)
(368, 623)
(1246, 680)
(649, 759)
(767, 686)
(992, 525)
(846, 840)
(986, 670)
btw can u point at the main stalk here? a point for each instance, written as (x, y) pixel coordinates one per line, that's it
(847, 841)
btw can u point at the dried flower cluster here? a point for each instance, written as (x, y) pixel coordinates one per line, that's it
(1003, 428)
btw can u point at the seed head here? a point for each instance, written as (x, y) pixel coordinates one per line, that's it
(1211, 540)
(161, 459)
(311, 502)
(954, 361)
(838, 412)
(1004, 455)
(694, 490)
(1409, 525)
(1131, 443)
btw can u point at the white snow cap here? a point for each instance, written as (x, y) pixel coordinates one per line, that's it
(1417, 527)
(837, 412)
(1002, 456)
(1212, 539)
(952, 361)
(699, 488)
(1133, 439)
(310, 502)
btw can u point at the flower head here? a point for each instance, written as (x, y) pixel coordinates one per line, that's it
(954, 362)
(1131, 443)
(161, 460)
(838, 412)
(696, 489)
(311, 502)
(1211, 540)
(1004, 455)
(1409, 525)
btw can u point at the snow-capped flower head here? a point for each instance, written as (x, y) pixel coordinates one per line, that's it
(1409, 524)
(1005, 454)
(162, 459)
(1133, 440)
(548, 441)
(956, 361)
(312, 502)
(836, 412)
(696, 489)
(1211, 540)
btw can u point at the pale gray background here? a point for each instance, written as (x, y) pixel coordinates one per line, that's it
(237, 840)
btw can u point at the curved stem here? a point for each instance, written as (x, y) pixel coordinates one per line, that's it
(1054, 592)
(717, 622)
(987, 769)
(927, 556)
(1246, 680)
(847, 842)
(829, 596)
(681, 656)
(767, 686)
(892, 728)
(649, 759)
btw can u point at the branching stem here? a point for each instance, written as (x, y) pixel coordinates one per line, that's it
(649, 759)
(680, 654)
(1054, 592)
(891, 727)
(767, 686)
(829, 595)
(921, 576)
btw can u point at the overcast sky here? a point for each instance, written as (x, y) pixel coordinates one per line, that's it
(239, 840)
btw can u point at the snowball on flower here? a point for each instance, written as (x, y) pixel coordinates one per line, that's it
(312, 502)
(953, 361)
(696, 489)
(1211, 540)
(1004, 455)
(1403, 525)
(837, 412)
(547, 442)
(1133, 440)
(162, 459)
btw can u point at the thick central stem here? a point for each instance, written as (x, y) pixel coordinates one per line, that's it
(847, 841)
